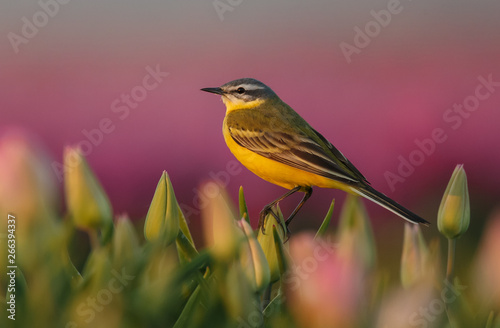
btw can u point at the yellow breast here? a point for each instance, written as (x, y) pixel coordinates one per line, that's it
(276, 172)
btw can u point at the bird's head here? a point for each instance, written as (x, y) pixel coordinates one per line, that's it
(243, 93)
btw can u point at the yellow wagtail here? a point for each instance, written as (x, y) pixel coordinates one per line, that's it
(274, 142)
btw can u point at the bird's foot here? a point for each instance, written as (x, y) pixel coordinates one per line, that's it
(287, 233)
(262, 220)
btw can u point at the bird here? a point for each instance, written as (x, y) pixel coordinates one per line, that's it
(274, 142)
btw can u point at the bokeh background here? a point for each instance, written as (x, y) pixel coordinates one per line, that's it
(70, 74)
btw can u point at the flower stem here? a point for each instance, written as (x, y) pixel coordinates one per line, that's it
(451, 260)
(267, 296)
(449, 277)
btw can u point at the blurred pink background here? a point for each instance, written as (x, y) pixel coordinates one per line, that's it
(70, 74)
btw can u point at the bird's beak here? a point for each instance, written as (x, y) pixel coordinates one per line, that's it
(217, 91)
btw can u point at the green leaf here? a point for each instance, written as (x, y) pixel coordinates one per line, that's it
(191, 306)
(280, 253)
(326, 222)
(185, 248)
(184, 226)
(243, 206)
(277, 301)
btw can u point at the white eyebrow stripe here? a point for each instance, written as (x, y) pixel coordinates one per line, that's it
(250, 86)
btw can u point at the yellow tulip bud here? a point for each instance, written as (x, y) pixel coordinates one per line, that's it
(87, 203)
(267, 242)
(125, 243)
(219, 224)
(454, 211)
(253, 260)
(162, 220)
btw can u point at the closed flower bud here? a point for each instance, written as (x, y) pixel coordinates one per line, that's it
(28, 188)
(253, 260)
(87, 203)
(323, 289)
(487, 266)
(126, 247)
(267, 242)
(454, 211)
(162, 220)
(355, 236)
(415, 256)
(219, 223)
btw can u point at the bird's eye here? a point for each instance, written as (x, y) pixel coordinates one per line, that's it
(240, 90)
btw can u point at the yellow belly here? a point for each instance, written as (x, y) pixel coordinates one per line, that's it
(278, 173)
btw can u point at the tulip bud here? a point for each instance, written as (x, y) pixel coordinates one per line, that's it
(125, 243)
(87, 203)
(237, 295)
(487, 266)
(162, 220)
(219, 224)
(29, 197)
(253, 260)
(407, 308)
(267, 242)
(454, 211)
(97, 270)
(415, 256)
(155, 288)
(323, 289)
(28, 188)
(355, 236)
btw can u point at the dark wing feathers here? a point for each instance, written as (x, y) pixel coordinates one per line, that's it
(299, 151)
(341, 157)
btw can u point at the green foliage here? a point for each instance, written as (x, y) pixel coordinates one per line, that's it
(242, 278)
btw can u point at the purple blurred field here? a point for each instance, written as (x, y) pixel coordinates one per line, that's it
(76, 74)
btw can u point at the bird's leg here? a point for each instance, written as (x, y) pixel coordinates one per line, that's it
(268, 208)
(307, 194)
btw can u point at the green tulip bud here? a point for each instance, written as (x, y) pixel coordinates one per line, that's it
(162, 220)
(125, 243)
(219, 223)
(267, 242)
(253, 260)
(454, 211)
(87, 203)
(355, 235)
(415, 256)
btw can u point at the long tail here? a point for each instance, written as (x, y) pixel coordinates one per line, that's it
(384, 201)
